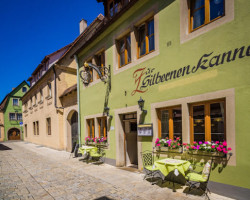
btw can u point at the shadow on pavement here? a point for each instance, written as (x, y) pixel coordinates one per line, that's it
(4, 148)
(103, 198)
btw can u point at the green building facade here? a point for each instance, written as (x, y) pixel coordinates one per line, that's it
(192, 72)
(11, 107)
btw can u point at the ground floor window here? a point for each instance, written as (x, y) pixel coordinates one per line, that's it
(91, 128)
(102, 126)
(207, 121)
(170, 122)
(34, 128)
(37, 127)
(48, 123)
(25, 129)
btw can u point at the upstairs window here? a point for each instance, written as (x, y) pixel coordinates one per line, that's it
(146, 38)
(48, 126)
(124, 50)
(12, 116)
(49, 89)
(41, 95)
(15, 102)
(24, 89)
(90, 70)
(19, 116)
(203, 12)
(100, 61)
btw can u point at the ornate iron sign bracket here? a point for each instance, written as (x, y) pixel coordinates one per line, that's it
(86, 76)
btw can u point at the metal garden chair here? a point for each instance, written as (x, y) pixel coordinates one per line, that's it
(148, 166)
(98, 156)
(195, 178)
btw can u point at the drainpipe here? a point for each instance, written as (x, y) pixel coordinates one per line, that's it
(78, 98)
(55, 91)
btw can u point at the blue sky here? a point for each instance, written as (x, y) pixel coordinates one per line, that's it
(32, 29)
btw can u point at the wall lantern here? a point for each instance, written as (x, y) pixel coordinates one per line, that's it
(106, 111)
(141, 105)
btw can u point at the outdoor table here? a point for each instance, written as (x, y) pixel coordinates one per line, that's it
(172, 165)
(83, 149)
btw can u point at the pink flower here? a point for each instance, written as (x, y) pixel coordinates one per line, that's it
(174, 146)
(158, 145)
(185, 144)
(205, 142)
(177, 138)
(198, 147)
(193, 147)
(217, 142)
(229, 148)
(213, 146)
(225, 152)
(200, 142)
(219, 149)
(195, 142)
(179, 144)
(187, 147)
(169, 145)
(224, 143)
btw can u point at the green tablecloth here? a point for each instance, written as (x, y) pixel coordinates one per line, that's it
(167, 165)
(87, 149)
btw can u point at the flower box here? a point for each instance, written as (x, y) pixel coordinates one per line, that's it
(179, 150)
(205, 153)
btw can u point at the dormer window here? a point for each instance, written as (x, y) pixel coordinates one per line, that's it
(115, 6)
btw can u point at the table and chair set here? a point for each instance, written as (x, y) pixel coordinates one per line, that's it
(177, 171)
(92, 153)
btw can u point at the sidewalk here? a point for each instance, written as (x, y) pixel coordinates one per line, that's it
(29, 171)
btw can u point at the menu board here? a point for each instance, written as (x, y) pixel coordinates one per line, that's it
(145, 129)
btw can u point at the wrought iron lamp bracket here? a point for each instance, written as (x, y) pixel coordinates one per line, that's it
(86, 76)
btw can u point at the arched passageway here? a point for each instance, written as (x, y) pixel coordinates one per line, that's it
(14, 134)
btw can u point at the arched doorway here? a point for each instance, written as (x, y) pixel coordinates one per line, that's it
(14, 134)
(74, 128)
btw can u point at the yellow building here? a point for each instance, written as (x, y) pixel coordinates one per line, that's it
(50, 110)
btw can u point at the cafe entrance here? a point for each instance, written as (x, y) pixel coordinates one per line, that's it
(129, 122)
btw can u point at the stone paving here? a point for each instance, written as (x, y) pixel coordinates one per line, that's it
(29, 171)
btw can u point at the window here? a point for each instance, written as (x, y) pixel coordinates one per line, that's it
(37, 127)
(31, 102)
(102, 126)
(26, 106)
(41, 95)
(25, 129)
(48, 122)
(146, 38)
(207, 121)
(34, 128)
(19, 117)
(170, 122)
(90, 70)
(24, 89)
(12, 116)
(100, 61)
(91, 128)
(114, 6)
(35, 100)
(203, 12)
(124, 50)
(49, 94)
(15, 102)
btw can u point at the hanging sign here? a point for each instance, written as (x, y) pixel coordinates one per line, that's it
(145, 129)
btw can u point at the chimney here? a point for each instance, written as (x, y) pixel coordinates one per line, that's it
(83, 25)
(13, 88)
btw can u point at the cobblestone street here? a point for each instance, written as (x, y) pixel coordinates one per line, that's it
(29, 171)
